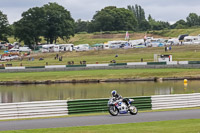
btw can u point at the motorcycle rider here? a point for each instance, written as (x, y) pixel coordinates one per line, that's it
(118, 97)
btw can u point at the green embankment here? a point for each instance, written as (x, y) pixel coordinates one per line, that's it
(100, 74)
(176, 32)
(177, 126)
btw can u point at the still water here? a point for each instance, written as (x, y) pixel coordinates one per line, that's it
(25, 93)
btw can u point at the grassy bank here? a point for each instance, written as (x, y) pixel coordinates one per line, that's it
(176, 32)
(177, 126)
(100, 74)
(179, 53)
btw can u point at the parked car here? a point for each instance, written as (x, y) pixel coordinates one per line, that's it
(24, 49)
(139, 46)
(13, 50)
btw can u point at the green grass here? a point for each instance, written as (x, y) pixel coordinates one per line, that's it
(100, 74)
(176, 32)
(177, 126)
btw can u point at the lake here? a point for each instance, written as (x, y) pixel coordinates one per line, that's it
(26, 93)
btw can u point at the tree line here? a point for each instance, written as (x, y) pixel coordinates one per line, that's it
(53, 21)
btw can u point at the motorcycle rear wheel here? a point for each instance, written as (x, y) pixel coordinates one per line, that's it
(113, 110)
(133, 110)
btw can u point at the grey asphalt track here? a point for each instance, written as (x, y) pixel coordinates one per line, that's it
(99, 120)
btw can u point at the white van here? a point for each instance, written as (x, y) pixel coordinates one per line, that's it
(82, 47)
(173, 41)
(24, 49)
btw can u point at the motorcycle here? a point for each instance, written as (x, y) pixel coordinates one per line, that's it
(116, 107)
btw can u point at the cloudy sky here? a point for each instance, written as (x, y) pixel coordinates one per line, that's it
(165, 10)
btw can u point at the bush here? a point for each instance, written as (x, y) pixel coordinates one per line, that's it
(114, 32)
(106, 32)
(82, 33)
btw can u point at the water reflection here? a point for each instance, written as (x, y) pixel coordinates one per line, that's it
(24, 93)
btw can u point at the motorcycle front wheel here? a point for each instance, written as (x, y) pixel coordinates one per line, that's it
(113, 110)
(133, 110)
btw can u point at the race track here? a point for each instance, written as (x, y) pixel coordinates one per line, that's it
(99, 120)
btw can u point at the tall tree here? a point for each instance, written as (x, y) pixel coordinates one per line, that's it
(139, 13)
(30, 27)
(58, 22)
(4, 27)
(113, 19)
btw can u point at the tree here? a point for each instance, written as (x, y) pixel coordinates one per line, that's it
(193, 20)
(4, 27)
(81, 26)
(58, 22)
(139, 13)
(181, 24)
(144, 25)
(51, 21)
(113, 19)
(30, 27)
(157, 25)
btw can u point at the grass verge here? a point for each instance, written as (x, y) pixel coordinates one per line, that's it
(100, 74)
(177, 126)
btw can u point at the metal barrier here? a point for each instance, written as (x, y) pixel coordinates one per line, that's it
(193, 62)
(156, 63)
(33, 109)
(175, 101)
(100, 105)
(118, 64)
(35, 67)
(63, 107)
(173, 64)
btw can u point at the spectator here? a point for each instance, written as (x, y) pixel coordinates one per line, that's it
(57, 56)
(41, 59)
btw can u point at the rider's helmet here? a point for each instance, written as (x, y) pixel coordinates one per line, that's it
(113, 93)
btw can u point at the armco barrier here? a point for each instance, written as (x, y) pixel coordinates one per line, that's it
(156, 63)
(142, 103)
(175, 101)
(63, 107)
(100, 105)
(97, 65)
(142, 65)
(136, 63)
(12, 68)
(118, 64)
(172, 63)
(75, 65)
(183, 62)
(33, 109)
(35, 67)
(87, 106)
(193, 62)
(56, 66)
